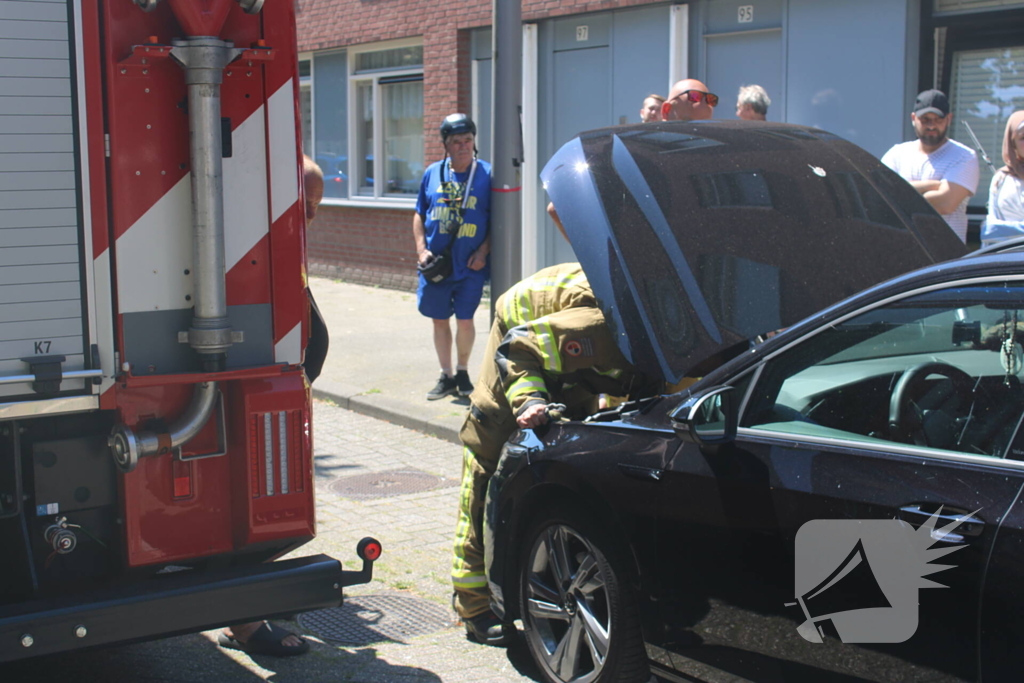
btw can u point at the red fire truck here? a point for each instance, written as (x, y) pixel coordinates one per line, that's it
(155, 425)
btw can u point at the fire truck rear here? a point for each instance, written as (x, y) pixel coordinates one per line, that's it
(155, 424)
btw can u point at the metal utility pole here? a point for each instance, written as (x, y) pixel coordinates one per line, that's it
(506, 154)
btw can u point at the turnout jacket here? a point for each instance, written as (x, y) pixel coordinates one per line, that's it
(549, 344)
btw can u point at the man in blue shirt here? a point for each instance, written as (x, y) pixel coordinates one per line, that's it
(453, 213)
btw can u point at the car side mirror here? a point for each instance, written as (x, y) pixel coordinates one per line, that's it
(707, 418)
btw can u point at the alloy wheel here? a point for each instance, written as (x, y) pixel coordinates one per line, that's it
(567, 605)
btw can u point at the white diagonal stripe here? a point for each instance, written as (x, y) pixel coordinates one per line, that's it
(289, 349)
(284, 173)
(245, 190)
(153, 255)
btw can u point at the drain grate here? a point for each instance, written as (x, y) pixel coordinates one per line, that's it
(388, 483)
(368, 619)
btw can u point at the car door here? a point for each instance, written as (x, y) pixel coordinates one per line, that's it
(1002, 606)
(851, 437)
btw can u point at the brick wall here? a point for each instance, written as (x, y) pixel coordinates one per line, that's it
(365, 246)
(375, 246)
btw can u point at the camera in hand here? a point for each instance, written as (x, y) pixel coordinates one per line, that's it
(438, 267)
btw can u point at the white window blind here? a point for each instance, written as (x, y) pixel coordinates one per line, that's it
(949, 6)
(986, 87)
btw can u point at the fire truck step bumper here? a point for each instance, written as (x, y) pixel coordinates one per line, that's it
(182, 602)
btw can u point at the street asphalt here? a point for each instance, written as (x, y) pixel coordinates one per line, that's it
(382, 361)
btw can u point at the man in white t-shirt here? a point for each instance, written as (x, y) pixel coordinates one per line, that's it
(943, 170)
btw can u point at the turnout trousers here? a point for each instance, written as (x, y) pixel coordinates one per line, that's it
(488, 426)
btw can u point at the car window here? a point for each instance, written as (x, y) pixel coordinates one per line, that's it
(939, 370)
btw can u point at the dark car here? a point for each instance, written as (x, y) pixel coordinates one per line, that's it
(783, 518)
(1012, 244)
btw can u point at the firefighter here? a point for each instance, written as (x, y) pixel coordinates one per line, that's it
(549, 344)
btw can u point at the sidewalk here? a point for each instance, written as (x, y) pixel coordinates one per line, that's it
(382, 362)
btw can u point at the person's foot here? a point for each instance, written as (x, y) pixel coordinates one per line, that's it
(462, 383)
(445, 387)
(262, 638)
(488, 629)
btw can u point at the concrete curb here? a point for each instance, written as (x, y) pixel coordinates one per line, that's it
(384, 408)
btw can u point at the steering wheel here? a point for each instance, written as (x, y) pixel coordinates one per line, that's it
(928, 419)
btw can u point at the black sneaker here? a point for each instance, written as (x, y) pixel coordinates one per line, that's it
(445, 387)
(462, 382)
(487, 629)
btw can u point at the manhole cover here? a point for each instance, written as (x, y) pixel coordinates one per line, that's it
(388, 483)
(368, 619)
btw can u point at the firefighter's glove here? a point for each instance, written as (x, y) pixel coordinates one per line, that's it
(556, 412)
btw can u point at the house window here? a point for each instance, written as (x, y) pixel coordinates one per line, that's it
(330, 121)
(979, 50)
(369, 102)
(388, 123)
(986, 87)
(306, 105)
(402, 112)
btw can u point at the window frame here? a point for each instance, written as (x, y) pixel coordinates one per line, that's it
(306, 83)
(378, 151)
(379, 198)
(893, 448)
(991, 28)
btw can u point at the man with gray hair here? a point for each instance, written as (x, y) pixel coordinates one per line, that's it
(752, 103)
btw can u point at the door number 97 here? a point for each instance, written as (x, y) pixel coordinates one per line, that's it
(745, 14)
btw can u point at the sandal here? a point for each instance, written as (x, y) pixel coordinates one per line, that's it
(266, 640)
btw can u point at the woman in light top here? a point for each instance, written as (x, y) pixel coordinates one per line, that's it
(1006, 195)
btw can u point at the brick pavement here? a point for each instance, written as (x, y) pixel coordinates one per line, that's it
(415, 530)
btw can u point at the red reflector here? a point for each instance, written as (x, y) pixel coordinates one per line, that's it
(182, 487)
(369, 549)
(182, 476)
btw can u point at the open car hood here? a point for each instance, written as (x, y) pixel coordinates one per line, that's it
(697, 237)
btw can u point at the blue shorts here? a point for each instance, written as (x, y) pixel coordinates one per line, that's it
(461, 297)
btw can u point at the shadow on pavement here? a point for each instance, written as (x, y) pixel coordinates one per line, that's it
(195, 659)
(322, 470)
(520, 659)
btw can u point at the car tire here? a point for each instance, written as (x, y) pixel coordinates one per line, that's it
(579, 613)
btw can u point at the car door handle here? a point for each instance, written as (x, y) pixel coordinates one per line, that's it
(918, 513)
(644, 473)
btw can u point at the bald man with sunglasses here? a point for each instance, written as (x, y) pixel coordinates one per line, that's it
(689, 100)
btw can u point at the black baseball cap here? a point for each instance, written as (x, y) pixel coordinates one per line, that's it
(932, 102)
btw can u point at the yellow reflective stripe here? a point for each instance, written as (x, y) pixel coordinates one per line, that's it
(552, 283)
(522, 311)
(472, 581)
(614, 373)
(509, 314)
(546, 344)
(572, 280)
(530, 384)
(518, 300)
(465, 522)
